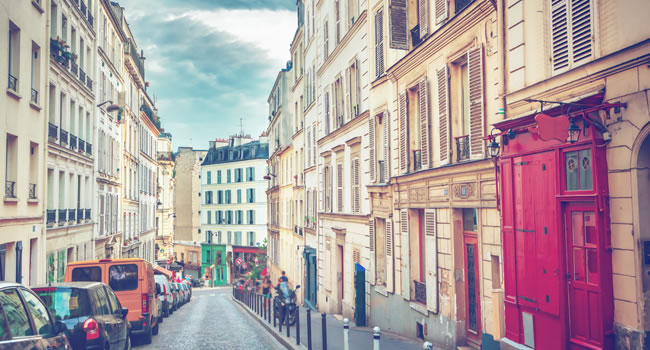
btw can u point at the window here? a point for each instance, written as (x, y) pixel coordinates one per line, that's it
(325, 41)
(36, 73)
(251, 238)
(218, 176)
(228, 197)
(209, 217)
(102, 302)
(338, 103)
(327, 174)
(3, 266)
(356, 186)
(89, 274)
(219, 197)
(229, 234)
(339, 187)
(238, 175)
(39, 313)
(57, 299)
(251, 217)
(238, 195)
(208, 197)
(14, 56)
(353, 12)
(250, 195)
(414, 128)
(379, 43)
(250, 174)
(470, 223)
(578, 170)
(571, 33)
(237, 237)
(209, 177)
(229, 217)
(116, 307)
(219, 217)
(228, 176)
(240, 217)
(354, 93)
(15, 312)
(123, 277)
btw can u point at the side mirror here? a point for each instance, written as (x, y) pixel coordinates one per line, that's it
(59, 327)
(297, 286)
(125, 312)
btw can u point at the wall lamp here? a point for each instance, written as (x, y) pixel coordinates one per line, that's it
(268, 176)
(493, 147)
(111, 108)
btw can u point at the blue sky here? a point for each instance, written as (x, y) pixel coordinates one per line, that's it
(211, 62)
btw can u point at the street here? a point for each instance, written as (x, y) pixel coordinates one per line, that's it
(211, 321)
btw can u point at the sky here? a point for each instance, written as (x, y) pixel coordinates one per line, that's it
(211, 62)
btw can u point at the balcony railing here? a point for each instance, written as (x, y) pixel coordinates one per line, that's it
(82, 75)
(10, 189)
(91, 20)
(382, 172)
(72, 215)
(168, 156)
(80, 215)
(82, 145)
(51, 216)
(52, 131)
(89, 83)
(34, 98)
(64, 136)
(417, 160)
(63, 216)
(74, 68)
(83, 8)
(32, 191)
(89, 148)
(131, 50)
(73, 141)
(462, 148)
(13, 81)
(87, 214)
(420, 292)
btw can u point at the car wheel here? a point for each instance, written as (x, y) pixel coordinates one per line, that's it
(155, 329)
(146, 338)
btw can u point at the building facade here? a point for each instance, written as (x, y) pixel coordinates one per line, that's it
(23, 141)
(166, 191)
(187, 201)
(148, 135)
(71, 114)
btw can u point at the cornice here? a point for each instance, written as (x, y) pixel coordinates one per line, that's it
(358, 218)
(347, 39)
(345, 128)
(339, 148)
(353, 141)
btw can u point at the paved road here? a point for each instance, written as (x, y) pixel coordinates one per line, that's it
(211, 321)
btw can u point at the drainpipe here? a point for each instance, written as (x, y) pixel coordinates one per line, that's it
(501, 34)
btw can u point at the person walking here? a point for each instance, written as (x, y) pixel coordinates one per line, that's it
(266, 290)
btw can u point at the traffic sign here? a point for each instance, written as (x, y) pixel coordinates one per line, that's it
(239, 261)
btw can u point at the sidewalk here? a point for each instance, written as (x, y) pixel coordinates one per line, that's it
(360, 337)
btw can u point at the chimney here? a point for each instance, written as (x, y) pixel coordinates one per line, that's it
(213, 144)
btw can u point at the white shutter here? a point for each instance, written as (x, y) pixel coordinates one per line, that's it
(390, 256)
(431, 266)
(372, 267)
(339, 187)
(559, 34)
(476, 118)
(581, 31)
(398, 25)
(405, 261)
(379, 43)
(356, 186)
(425, 145)
(441, 10)
(371, 147)
(386, 120)
(423, 17)
(348, 93)
(403, 134)
(443, 115)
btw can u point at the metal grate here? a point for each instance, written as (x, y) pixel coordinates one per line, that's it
(73, 141)
(87, 216)
(462, 148)
(89, 148)
(13, 81)
(63, 216)
(64, 136)
(10, 189)
(32, 191)
(34, 97)
(52, 131)
(420, 292)
(82, 75)
(51, 216)
(72, 215)
(74, 68)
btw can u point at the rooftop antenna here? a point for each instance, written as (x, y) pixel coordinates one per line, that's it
(241, 126)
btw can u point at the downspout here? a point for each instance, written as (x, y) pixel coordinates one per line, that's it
(501, 35)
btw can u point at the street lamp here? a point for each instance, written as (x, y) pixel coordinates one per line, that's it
(111, 108)
(268, 176)
(494, 148)
(574, 131)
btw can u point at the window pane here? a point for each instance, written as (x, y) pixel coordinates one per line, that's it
(590, 227)
(586, 181)
(116, 307)
(571, 169)
(65, 303)
(578, 229)
(592, 266)
(123, 277)
(469, 220)
(39, 313)
(15, 312)
(102, 301)
(90, 274)
(579, 264)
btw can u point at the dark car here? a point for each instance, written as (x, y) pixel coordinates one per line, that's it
(93, 315)
(26, 323)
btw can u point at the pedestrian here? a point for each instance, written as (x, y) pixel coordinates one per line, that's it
(266, 290)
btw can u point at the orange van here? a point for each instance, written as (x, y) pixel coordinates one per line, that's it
(132, 281)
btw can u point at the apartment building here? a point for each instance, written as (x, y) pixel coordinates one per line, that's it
(233, 207)
(148, 135)
(108, 159)
(71, 115)
(187, 199)
(165, 190)
(23, 141)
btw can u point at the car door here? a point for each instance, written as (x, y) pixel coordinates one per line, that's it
(42, 322)
(105, 317)
(20, 333)
(120, 325)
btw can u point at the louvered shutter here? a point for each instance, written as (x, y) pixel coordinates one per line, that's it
(398, 25)
(441, 10)
(371, 232)
(371, 147)
(431, 246)
(476, 119)
(315, 145)
(330, 192)
(424, 123)
(356, 186)
(581, 32)
(403, 134)
(321, 187)
(559, 34)
(390, 269)
(406, 256)
(348, 93)
(379, 43)
(339, 187)
(387, 150)
(443, 115)
(423, 17)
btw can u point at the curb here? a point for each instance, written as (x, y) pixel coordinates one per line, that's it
(287, 342)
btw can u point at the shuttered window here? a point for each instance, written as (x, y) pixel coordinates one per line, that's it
(356, 186)
(424, 123)
(339, 187)
(337, 13)
(403, 134)
(475, 67)
(390, 269)
(379, 43)
(405, 254)
(441, 10)
(443, 114)
(326, 103)
(423, 17)
(372, 266)
(431, 246)
(571, 33)
(387, 148)
(326, 50)
(371, 142)
(398, 25)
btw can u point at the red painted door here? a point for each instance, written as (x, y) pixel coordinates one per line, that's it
(583, 266)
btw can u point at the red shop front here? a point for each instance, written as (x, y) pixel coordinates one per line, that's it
(555, 227)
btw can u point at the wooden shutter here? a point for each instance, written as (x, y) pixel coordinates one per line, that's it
(371, 232)
(423, 17)
(476, 119)
(441, 10)
(406, 256)
(443, 115)
(559, 34)
(403, 134)
(431, 246)
(314, 147)
(325, 41)
(348, 93)
(581, 32)
(379, 43)
(356, 186)
(387, 149)
(339, 187)
(321, 187)
(371, 147)
(424, 123)
(390, 269)
(398, 25)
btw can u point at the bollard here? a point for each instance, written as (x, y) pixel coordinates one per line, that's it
(280, 319)
(308, 329)
(264, 307)
(286, 318)
(297, 325)
(375, 338)
(427, 346)
(346, 334)
(273, 309)
(324, 330)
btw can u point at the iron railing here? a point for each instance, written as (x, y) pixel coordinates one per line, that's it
(82, 145)
(74, 68)
(32, 191)
(64, 136)
(13, 81)
(34, 97)
(420, 292)
(83, 8)
(10, 189)
(73, 141)
(87, 214)
(91, 19)
(417, 160)
(134, 55)
(80, 215)
(72, 215)
(462, 148)
(169, 156)
(63, 216)
(82, 75)
(89, 148)
(89, 83)
(52, 131)
(51, 216)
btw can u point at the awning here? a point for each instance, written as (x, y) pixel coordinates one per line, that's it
(162, 271)
(252, 250)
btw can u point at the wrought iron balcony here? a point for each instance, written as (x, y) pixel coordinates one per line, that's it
(82, 145)
(89, 83)
(89, 148)
(34, 97)
(64, 136)
(132, 51)
(91, 20)
(417, 160)
(82, 75)
(72, 215)
(73, 142)
(13, 82)
(74, 68)
(87, 214)
(32, 191)
(462, 148)
(10, 189)
(83, 8)
(420, 292)
(51, 216)
(52, 131)
(63, 216)
(168, 156)
(80, 215)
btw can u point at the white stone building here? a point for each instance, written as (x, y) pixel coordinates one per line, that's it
(165, 179)
(148, 135)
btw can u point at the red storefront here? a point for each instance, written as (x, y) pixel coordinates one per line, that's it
(555, 229)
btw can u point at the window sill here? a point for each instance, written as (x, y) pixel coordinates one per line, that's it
(419, 308)
(37, 6)
(381, 290)
(14, 94)
(35, 106)
(33, 201)
(11, 200)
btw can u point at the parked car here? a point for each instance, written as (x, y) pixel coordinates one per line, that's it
(92, 313)
(189, 287)
(175, 301)
(133, 282)
(26, 323)
(165, 296)
(188, 291)
(182, 293)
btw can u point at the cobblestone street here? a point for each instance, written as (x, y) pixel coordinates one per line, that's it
(211, 321)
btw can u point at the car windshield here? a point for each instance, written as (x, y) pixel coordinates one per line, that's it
(123, 277)
(65, 303)
(89, 274)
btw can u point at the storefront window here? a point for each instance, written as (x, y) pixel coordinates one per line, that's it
(578, 169)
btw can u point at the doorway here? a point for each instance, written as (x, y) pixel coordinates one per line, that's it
(472, 276)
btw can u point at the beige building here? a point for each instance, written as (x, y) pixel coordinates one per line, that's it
(187, 202)
(148, 134)
(24, 46)
(166, 191)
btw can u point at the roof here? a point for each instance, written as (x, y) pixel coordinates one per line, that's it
(229, 154)
(85, 262)
(83, 285)
(9, 284)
